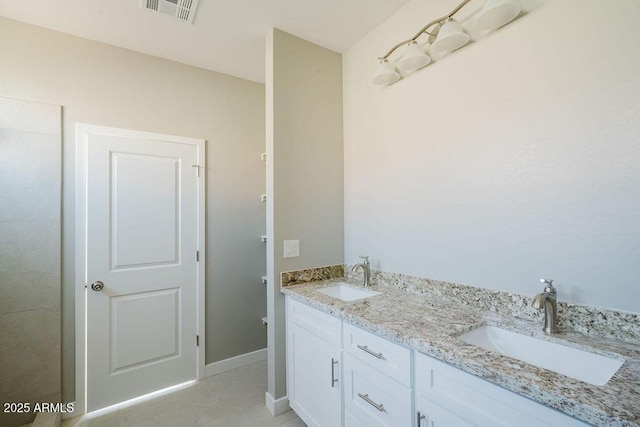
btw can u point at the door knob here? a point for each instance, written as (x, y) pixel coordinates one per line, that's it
(97, 286)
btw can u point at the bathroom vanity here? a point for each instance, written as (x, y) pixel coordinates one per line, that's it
(394, 359)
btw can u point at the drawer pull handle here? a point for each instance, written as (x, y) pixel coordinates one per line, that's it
(419, 419)
(366, 350)
(334, 380)
(378, 406)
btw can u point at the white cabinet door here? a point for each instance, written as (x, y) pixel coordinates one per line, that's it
(322, 325)
(313, 378)
(430, 414)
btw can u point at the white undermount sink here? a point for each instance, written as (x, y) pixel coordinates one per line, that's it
(582, 365)
(346, 293)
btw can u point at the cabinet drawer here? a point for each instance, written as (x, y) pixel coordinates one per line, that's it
(320, 324)
(372, 398)
(387, 357)
(474, 399)
(352, 421)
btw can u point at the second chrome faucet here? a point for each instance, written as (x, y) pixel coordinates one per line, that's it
(366, 270)
(547, 301)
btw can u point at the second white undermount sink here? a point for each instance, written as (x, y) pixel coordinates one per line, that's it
(346, 293)
(582, 365)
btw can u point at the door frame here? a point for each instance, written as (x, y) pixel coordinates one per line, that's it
(83, 130)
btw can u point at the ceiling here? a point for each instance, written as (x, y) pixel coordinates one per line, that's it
(226, 35)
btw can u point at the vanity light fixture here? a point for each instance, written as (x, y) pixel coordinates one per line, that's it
(450, 37)
(413, 59)
(386, 74)
(445, 36)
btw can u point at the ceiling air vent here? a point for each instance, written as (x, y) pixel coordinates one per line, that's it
(184, 10)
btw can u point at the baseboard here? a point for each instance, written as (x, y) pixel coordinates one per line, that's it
(277, 407)
(235, 362)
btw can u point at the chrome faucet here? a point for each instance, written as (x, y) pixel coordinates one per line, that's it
(365, 270)
(547, 301)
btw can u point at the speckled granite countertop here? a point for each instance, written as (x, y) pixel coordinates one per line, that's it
(431, 325)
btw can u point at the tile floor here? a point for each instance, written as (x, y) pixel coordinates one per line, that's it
(231, 399)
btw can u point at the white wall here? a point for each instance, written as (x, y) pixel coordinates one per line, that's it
(104, 85)
(512, 159)
(304, 172)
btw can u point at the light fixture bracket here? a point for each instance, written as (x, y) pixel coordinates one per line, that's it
(433, 33)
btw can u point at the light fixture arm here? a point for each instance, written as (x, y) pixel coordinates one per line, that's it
(425, 28)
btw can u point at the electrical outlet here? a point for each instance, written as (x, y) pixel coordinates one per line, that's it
(291, 248)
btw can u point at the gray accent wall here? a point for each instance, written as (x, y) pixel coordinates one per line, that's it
(104, 85)
(305, 196)
(30, 225)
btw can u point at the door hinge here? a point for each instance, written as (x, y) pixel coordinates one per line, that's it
(197, 340)
(197, 256)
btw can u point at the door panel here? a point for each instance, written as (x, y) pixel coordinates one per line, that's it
(144, 328)
(145, 211)
(142, 237)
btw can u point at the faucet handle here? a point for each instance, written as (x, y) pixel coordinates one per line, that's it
(549, 285)
(365, 258)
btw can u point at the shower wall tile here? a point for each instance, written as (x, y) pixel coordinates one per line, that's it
(21, 419)
(29, 265)
(31, 360)
(30, 255)
(10, 259)
(29, 176)
(40, 246)
(32, 290)
(30, 116)
(41, 150)
(13, 419)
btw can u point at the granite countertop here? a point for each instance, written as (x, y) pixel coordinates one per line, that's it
(431, 325)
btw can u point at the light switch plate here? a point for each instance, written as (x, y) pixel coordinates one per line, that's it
(291, 248)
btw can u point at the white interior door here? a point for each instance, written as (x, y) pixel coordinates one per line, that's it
(142, 234)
